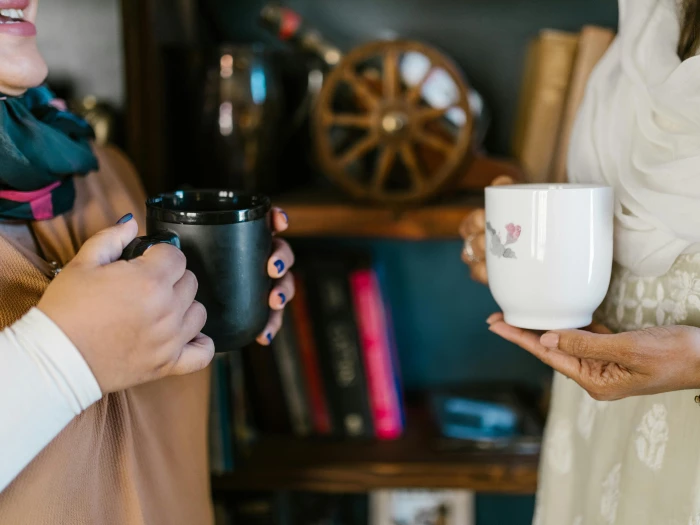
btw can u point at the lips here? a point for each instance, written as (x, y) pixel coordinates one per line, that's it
(14, 4)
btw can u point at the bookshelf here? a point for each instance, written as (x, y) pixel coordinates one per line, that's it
(416, 460)
(325, 213)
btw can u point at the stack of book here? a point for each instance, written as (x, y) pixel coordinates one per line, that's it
(331, 371)
(557, 69)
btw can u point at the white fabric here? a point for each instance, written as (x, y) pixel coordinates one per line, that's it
(638, 131)
(44, 384)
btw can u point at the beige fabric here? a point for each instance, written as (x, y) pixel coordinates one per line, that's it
(634, 461)
(135, 457)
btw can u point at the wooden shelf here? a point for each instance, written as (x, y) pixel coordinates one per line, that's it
(329, 214)
(416, 460)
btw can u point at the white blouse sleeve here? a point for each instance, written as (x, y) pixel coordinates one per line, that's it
(44, 384)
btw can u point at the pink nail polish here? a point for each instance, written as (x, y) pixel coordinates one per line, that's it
(550, 340)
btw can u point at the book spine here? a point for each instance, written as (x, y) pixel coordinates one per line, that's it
(243, 431)
(371, 316)
(380, 272)
(216, 461)
(340, 353)
(265, 389)
(551, 75)
(593, 43)
(320, 415)
(291, 375)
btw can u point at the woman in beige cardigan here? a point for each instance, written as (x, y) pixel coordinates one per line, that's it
(103, 412)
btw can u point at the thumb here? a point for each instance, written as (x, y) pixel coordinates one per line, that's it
(585, 345)
(195, 356)
(107, 245)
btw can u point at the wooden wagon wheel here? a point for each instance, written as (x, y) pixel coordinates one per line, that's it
(400, 149)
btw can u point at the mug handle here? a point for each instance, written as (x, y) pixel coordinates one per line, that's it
(139, 245)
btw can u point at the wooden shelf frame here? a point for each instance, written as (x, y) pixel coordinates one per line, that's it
(329, 214)
(414, 461)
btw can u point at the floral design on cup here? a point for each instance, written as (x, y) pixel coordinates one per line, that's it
(498, 247)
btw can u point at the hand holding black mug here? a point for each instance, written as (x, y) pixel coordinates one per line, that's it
(227, 238)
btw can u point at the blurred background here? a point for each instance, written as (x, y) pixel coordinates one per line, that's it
(375, 124)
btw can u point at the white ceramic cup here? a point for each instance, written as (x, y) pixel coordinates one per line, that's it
(549, 252)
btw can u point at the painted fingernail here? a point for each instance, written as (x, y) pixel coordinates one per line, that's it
(279, 264)
(269, 337)
(284, 214)
(126, 218)
(282, 297)
(550, 340)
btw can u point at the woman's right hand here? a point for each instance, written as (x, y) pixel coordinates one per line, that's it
(133, 321)
(473, 231)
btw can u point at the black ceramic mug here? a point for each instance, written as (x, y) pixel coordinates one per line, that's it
(227, 238)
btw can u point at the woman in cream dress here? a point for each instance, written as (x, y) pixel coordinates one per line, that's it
(622, 444)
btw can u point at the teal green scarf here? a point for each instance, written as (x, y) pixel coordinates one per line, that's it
(42, 146)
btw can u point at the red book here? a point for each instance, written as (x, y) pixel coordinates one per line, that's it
(320, 415)
(377, 353)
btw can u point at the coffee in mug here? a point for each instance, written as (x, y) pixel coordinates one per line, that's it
(549, 250)
(227, 239)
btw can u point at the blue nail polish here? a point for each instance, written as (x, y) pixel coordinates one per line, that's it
(126, 218)
(286, 217)
(282, 297)
(279, 264)
(269, 337)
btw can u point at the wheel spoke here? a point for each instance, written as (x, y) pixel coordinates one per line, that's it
(350, 120)
(358, 150)
(360, 87)
(409, 159)
(424, 114)
(434, 141)
(391, 79)
(383, 168)
(413, 94)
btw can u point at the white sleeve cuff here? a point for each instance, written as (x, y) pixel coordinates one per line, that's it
(57, 357)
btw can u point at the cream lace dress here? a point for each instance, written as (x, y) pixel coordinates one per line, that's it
(636, 461)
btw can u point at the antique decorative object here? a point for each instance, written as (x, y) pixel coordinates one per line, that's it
(393, 122)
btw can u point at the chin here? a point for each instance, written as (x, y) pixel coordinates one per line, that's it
(21, 65)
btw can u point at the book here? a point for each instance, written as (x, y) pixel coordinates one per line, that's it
(548, 69)
(266, 394)
(318, 404)
(289, 364)
(243, 431)
(592, 45)
(221, 433)
(422, 507)
(216, 444)
(377, 352)
(338, 343)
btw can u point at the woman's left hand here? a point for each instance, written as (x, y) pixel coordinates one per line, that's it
(614, 366)
(278, 267)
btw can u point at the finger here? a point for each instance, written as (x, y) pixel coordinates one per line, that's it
(498, 316)
(186, 289)
(273, 326)
(598, 328)
(280, 220)
(529, 341)
(587, 345)
(166, 261)
(281, 260)
(107, 245)
(282, 293)
(479, 272)
(502, 180)
(193, 321)
(195, 356)
(476, 221)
